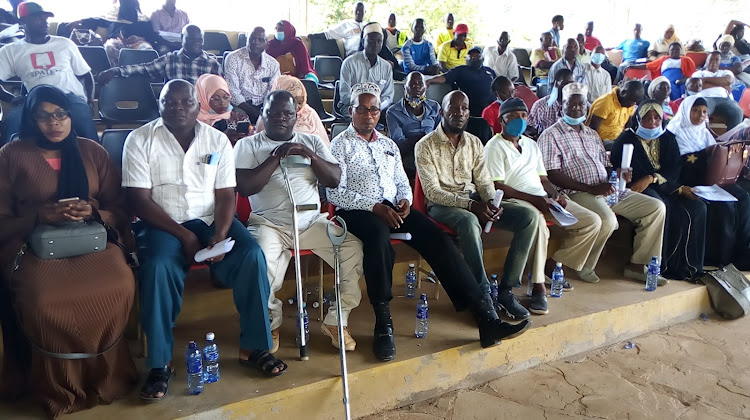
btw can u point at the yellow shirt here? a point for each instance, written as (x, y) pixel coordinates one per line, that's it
(613, 114)
(540, 55)
(444, 36)
(451, 56)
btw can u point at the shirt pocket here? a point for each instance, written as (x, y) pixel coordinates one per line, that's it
(208, 174)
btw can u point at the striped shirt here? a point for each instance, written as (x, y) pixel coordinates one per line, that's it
(542, 115)
(175, 65)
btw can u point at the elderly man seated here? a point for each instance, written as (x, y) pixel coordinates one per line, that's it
(610, 113)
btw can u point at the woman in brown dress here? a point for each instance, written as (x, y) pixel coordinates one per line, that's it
(73, 305)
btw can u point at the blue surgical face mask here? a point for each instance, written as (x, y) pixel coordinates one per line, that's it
(598, 58)
(280, 36)
(500, 101)
(649, 133)
(692, 93)
(229, 108)
(552, 96)
(516, 127)
(574, 121)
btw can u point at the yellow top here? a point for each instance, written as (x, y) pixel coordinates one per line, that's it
(614, 115)
(444, 36)
(451, 56)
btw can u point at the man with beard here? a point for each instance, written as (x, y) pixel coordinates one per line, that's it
(473, 78)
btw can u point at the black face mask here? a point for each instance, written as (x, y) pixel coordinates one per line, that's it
(475, 64)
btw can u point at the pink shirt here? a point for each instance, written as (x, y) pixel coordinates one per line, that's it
(162, 21)
(55, 163)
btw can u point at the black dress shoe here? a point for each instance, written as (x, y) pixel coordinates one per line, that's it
(383, 345)
(491, 332)
(508, 302)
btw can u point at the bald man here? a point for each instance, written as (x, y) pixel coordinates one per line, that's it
(188, 63)
(179, 176)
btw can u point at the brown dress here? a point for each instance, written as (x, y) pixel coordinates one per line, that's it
(72, 305)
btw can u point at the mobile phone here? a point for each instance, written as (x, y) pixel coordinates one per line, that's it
(67, 200)
(243, 127)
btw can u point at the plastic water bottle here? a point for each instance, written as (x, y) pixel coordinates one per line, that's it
(558, 280)
(211, 360)
(654, 270)
(493, 288)
(411, 281)
(613, 198)
(529, 286)
(194, 361)
(306, 319)
(422, 311)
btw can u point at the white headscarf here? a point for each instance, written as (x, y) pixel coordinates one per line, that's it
(690, 138)
(656, 82)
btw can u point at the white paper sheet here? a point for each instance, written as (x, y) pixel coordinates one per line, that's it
(170, 36)
(495, 202)
(713, 193)
(220, 248)
(627, 158)
(560, 214)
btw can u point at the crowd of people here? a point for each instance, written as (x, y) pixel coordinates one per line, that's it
(225, 127)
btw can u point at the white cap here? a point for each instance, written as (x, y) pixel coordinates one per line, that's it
(558, 264)
(411, 265)
(210, 336)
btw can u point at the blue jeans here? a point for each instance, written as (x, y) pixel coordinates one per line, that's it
(161, 277)
(80, 114)
(520, 220)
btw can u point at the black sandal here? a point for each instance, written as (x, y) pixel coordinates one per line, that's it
(265, 362)
(157, 381)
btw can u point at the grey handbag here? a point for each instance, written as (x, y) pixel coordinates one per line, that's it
(729, 291)
(68, 239)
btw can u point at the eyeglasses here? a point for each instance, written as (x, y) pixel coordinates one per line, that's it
(362, 110)
(43, 116)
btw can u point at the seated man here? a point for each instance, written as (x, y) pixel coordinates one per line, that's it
(459, 194)
(632, 50)
(419, 53)
(366, 66)
(569, 61)
(446, 34)
(374, 198)
(453, 54)
(548, 110)
(473, 78)
(591, 41)
(259, 175)
(610, 113)
(596, 78)
(411, 119)
(515, 165)
(578, 165)
(544, 57)
(44, 59)
(503, 89)
(188, 63)
(170, 20)
(501, 59)
(348, 30)
(250, 73)
(180, 179)
(716, 89)
(584, 55)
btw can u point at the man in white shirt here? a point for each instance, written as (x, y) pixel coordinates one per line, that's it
(717, 86)
(595, 77)
(348, 30)
(516, 166)
(250, 73)
(180, 177)
(374, 198)
(43, 59)
(501, 59)
(258, 160)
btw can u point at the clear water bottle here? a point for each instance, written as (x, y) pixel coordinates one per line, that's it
(613, 198)
(307, 325)
(411, 281)
(654, 271)
(558, 280)
(529, 286)
(421, 330)
(194, 361)
(211, 360)
(493, 288)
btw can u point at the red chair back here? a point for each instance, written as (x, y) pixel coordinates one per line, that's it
(638, 74)
(420, 202)
(526, 95)
(243, 208)
(745, 103)
(699, 58)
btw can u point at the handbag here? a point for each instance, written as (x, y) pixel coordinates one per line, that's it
(729, 291)
(68, 239)
(723, 166)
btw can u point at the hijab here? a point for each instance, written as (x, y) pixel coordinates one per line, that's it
(308, 121)
(72, 181)
(690, 138)
(206, 86)
(291, 45)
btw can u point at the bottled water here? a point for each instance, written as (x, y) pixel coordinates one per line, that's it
(493, 288)
(194, 361)
(211, 360)
(411, 281)
(654, 270)
(558, 280)
(613, 198)
(306, 320)
(421, 330)
(529, 286)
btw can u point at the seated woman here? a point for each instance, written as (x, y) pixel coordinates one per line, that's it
(286, 43)
(659, 90)
(308, 121)
(216, 109)
(731, 62)
(53, 307)
(728, 223)
(128, 28)
(660, 48)
(673, 66)
(656, 172)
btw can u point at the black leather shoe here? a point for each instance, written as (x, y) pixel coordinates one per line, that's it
(508, 302)
(383, 345)
(491, 332)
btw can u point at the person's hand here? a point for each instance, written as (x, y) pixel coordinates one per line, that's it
(485, 211)
(604, 188)
(643, 183)
(106, 76)
(54, 213)
(190, 245)
(625, 173)
(689, 192)
(80, 210)
(561, 201)
(403, 209)
(736, 148)
(541, 204)
(213, 241)
(290, 148)
(432, 70)
(390, 216)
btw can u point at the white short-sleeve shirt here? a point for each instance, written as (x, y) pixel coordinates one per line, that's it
(57, 62)
(272, 202)
(182, 183)
(717, 91)
(518, 170)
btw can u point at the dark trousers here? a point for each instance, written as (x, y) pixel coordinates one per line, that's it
(427, 239)
(728, 227)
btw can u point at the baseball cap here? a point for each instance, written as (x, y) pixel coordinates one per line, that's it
(461, 28)
(29, 8)
(475, 48)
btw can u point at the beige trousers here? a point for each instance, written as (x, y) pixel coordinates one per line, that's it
(645, 212)
(276, 242)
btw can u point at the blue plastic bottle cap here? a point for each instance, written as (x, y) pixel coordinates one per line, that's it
(423, 296)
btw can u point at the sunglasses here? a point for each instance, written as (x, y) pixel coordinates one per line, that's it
(43, 116)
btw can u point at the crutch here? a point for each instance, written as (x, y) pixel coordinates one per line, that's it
(297, 161)
(337, 240)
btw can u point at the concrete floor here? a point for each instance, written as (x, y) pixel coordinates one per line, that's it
(695, 370)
